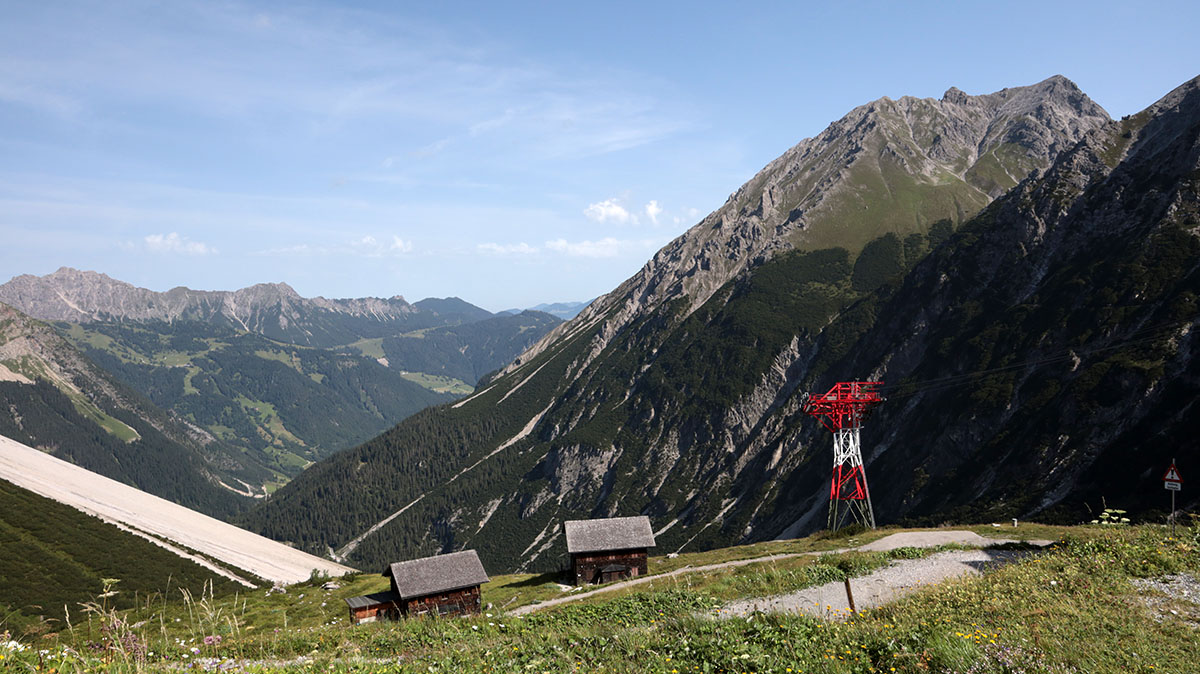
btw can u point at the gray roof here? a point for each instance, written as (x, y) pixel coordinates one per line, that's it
(616, 533)
(373, 599)
(443, 573)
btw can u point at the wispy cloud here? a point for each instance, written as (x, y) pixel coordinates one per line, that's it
(652, 211)
(507, 248)
(174, 243)
(609, 210)
(367, 246)
(604, 248)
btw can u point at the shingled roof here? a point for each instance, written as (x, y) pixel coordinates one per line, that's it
(616, 533)
(442, 573)
(372, 599)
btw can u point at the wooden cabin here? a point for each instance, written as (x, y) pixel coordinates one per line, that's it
(606, 550)
(445, 585)
(371, 607)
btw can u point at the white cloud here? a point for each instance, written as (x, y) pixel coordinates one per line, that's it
(609, 211)
(652, 211)
(173, 243)
(606, 247)
(400, 245)
(369, 246)
(506, 248)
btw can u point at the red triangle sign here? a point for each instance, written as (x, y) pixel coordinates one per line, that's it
(1172, 475)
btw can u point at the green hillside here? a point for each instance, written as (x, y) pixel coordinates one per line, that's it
(1076, 607)
(53, 557)
(289, 405)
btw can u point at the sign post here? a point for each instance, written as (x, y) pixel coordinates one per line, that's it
(1172, 482)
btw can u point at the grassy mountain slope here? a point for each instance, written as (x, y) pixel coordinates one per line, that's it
(1084, 606)
(52, 557)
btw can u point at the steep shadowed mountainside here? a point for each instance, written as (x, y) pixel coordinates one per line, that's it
(55, 399)
(676, 394)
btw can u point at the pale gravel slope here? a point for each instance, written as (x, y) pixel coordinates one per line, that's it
(121, 504)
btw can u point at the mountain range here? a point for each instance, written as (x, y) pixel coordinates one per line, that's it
(237, 371)
(1017, 267)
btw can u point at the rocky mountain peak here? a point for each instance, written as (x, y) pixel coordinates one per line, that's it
(955, 95)
(887, 166)
(273, 309)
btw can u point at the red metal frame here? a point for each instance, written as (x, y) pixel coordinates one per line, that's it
(845, 405)
(848, 485)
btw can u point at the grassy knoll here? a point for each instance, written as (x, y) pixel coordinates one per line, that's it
(1070, 609)
(439, 383)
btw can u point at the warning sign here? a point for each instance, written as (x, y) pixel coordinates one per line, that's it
(1171, 479)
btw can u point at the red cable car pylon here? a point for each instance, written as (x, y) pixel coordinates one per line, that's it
(842, 410)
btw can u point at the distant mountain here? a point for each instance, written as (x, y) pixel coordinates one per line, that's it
(451, 311)
(283, 380)
(274, 310)
(563, 310)
(54, 398)
(469, 351)
(676, 394)
(287, 405)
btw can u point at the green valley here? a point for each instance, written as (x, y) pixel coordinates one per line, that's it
(289, 404)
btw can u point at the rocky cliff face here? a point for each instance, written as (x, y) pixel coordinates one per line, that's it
(272, 309)
(1037, 358)
(887, 166)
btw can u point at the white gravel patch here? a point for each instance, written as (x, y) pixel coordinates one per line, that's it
(122, 504)
(896, 580)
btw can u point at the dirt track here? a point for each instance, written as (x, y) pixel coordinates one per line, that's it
(121, 504)
(914, 539)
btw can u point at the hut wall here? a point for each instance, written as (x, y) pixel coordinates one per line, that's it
(367, 614)
(459, 602)
(586, 566)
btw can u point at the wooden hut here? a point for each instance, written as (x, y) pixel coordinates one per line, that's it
(442, 585)
(605, 550)
(371, 607)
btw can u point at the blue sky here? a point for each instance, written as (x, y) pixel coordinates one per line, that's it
(505, 153)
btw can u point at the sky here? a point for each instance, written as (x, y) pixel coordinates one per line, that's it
(506, 153)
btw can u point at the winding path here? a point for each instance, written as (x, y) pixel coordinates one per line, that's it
(915, 539)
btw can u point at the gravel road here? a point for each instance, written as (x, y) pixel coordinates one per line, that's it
(899, 578)
(907, 539)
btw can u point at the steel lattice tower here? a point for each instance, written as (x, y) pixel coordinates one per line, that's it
(842, 410)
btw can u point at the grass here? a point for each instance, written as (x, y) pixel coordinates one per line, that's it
(371, 348)
(1071, 609)
(439, 383)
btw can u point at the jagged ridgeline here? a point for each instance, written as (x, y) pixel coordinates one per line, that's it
(264, 381)
(678, 394)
